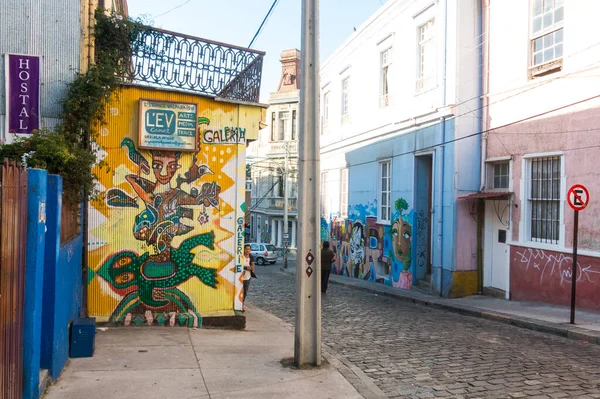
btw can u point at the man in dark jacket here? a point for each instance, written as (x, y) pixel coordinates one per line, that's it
(327, 259)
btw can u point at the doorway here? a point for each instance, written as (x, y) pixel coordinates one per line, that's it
(422, 224)
(495, 269)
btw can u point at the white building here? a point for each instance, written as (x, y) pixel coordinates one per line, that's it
(267, 159)
(400, 103)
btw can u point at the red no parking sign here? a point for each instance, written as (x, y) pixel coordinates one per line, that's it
(578, 197)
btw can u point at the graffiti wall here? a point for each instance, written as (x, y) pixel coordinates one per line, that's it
(372, 251)
(166, 228)
(545, 276)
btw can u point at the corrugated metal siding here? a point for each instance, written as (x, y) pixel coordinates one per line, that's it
(111, 227)
(51, 29)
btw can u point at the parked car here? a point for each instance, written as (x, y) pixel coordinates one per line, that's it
(263, 253)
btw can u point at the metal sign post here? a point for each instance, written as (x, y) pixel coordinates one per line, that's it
(578, 198)
(286, 176)
(307, 348)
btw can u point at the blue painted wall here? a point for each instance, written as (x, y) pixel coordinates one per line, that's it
(36, 239)
(53, 215)
(363, 177)
(62, 285)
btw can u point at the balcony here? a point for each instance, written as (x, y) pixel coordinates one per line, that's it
(161, 58)
(275, 204)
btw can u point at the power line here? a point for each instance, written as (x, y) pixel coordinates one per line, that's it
(500, 100)
(172, 9)
(263, 197)
(492, 130)
(263, 22)
(545, 82)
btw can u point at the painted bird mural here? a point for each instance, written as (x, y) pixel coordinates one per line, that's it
(195, 173)
(135, 156)
(152, 280)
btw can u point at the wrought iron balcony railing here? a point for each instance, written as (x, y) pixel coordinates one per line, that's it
(275, 203)
(169, 59)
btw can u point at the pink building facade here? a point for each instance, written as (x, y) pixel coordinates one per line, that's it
(541, 125)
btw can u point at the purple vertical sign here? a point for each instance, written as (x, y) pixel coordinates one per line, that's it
(22, 93)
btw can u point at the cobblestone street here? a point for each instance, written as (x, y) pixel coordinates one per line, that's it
(417, 352)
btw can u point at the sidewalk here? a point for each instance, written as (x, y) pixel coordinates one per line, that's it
(534, 316)
(161, 363)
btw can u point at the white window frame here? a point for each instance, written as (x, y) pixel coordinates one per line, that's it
(326, 108)
(555, 63)
(324, 205)
(294, 128)
(384, 214)
(273, 126)
(344, 193)
(526, 207)
(425, 82)
(507, 175)
(345, 89)
(490, 165)
(385, 59)
(283, 118)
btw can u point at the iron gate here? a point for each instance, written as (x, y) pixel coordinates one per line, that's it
(13, 236)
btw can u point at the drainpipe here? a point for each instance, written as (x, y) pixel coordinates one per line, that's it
(443, 153)
(92, 4)
(483, 12)
(484, 23)
(480, 210)
(441, 205)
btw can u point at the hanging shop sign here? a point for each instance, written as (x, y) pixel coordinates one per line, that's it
(168, 126)
(22, 93)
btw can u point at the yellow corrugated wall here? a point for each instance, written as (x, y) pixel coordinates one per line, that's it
(133, 274)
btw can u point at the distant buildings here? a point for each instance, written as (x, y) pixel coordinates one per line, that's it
(266, 159)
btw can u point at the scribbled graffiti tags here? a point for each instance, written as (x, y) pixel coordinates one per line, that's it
(551, 266)
(422, 236)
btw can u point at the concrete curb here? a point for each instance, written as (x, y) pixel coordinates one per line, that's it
(574, 333)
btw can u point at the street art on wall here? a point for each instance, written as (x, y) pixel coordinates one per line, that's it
(163, 242)
(372, 251)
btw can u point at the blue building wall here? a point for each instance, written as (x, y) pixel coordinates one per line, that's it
(62, 285)
(34, 277)
(397, 252)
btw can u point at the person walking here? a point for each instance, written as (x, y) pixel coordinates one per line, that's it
(327, 259)
(248, 272)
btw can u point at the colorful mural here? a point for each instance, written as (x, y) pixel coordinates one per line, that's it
(370, 250)
(164, 243)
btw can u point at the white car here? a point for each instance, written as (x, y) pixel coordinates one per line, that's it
(263, 253)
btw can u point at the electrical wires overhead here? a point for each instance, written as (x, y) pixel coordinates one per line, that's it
(263, 23)
(172, 9)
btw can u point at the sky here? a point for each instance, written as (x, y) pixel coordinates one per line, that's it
(236, 22)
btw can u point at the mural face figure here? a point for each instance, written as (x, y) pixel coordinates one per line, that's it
(164, 165)
(120, 270)
(357, 249)
(401, 239)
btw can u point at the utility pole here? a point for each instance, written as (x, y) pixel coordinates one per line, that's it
(307, 348)
(286, 233)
